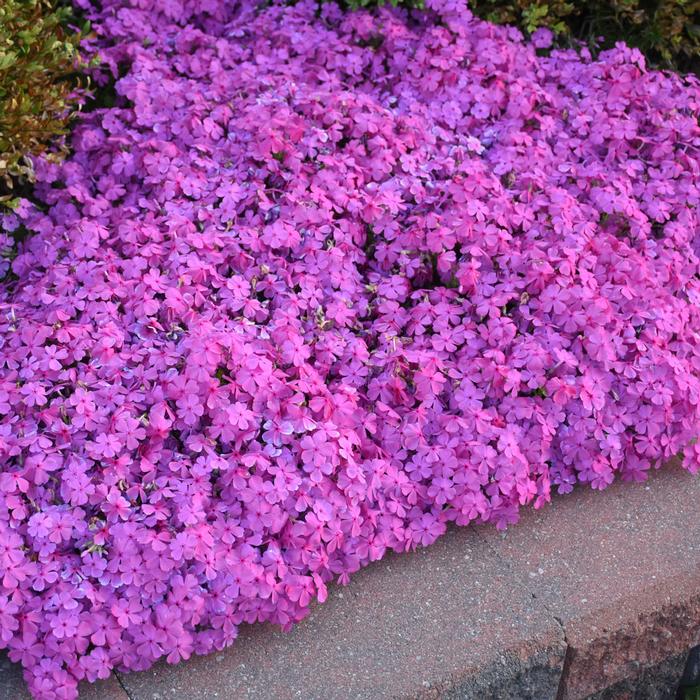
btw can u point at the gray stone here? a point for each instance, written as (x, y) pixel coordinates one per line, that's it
(442, 621)
(621, 571)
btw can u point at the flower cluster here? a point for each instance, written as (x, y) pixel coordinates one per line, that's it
(314, 288)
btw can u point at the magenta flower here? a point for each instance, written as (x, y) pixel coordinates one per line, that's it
(292, 304)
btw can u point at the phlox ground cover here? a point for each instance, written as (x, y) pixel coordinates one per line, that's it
(317, 285)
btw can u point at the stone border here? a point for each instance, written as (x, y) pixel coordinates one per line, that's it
(597, 596)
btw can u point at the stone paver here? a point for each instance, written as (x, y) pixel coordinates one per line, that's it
(621, 571)
(596, 597)
(13, 687)
(443, 620)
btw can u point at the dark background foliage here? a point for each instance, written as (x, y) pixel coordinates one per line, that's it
(667, 31)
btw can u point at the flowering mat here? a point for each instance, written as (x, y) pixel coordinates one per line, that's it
(318, 284)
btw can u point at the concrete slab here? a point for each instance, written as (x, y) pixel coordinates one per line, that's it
(595, 597)
(446, 621)
(621, 571)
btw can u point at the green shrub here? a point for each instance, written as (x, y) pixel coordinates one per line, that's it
(39, 85)
(667, 31)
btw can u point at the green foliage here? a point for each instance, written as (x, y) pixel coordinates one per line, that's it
(668, 31)
(39, 85)
(692, 693)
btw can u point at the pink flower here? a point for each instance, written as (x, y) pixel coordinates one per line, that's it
(115, 505)
(277, 317)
